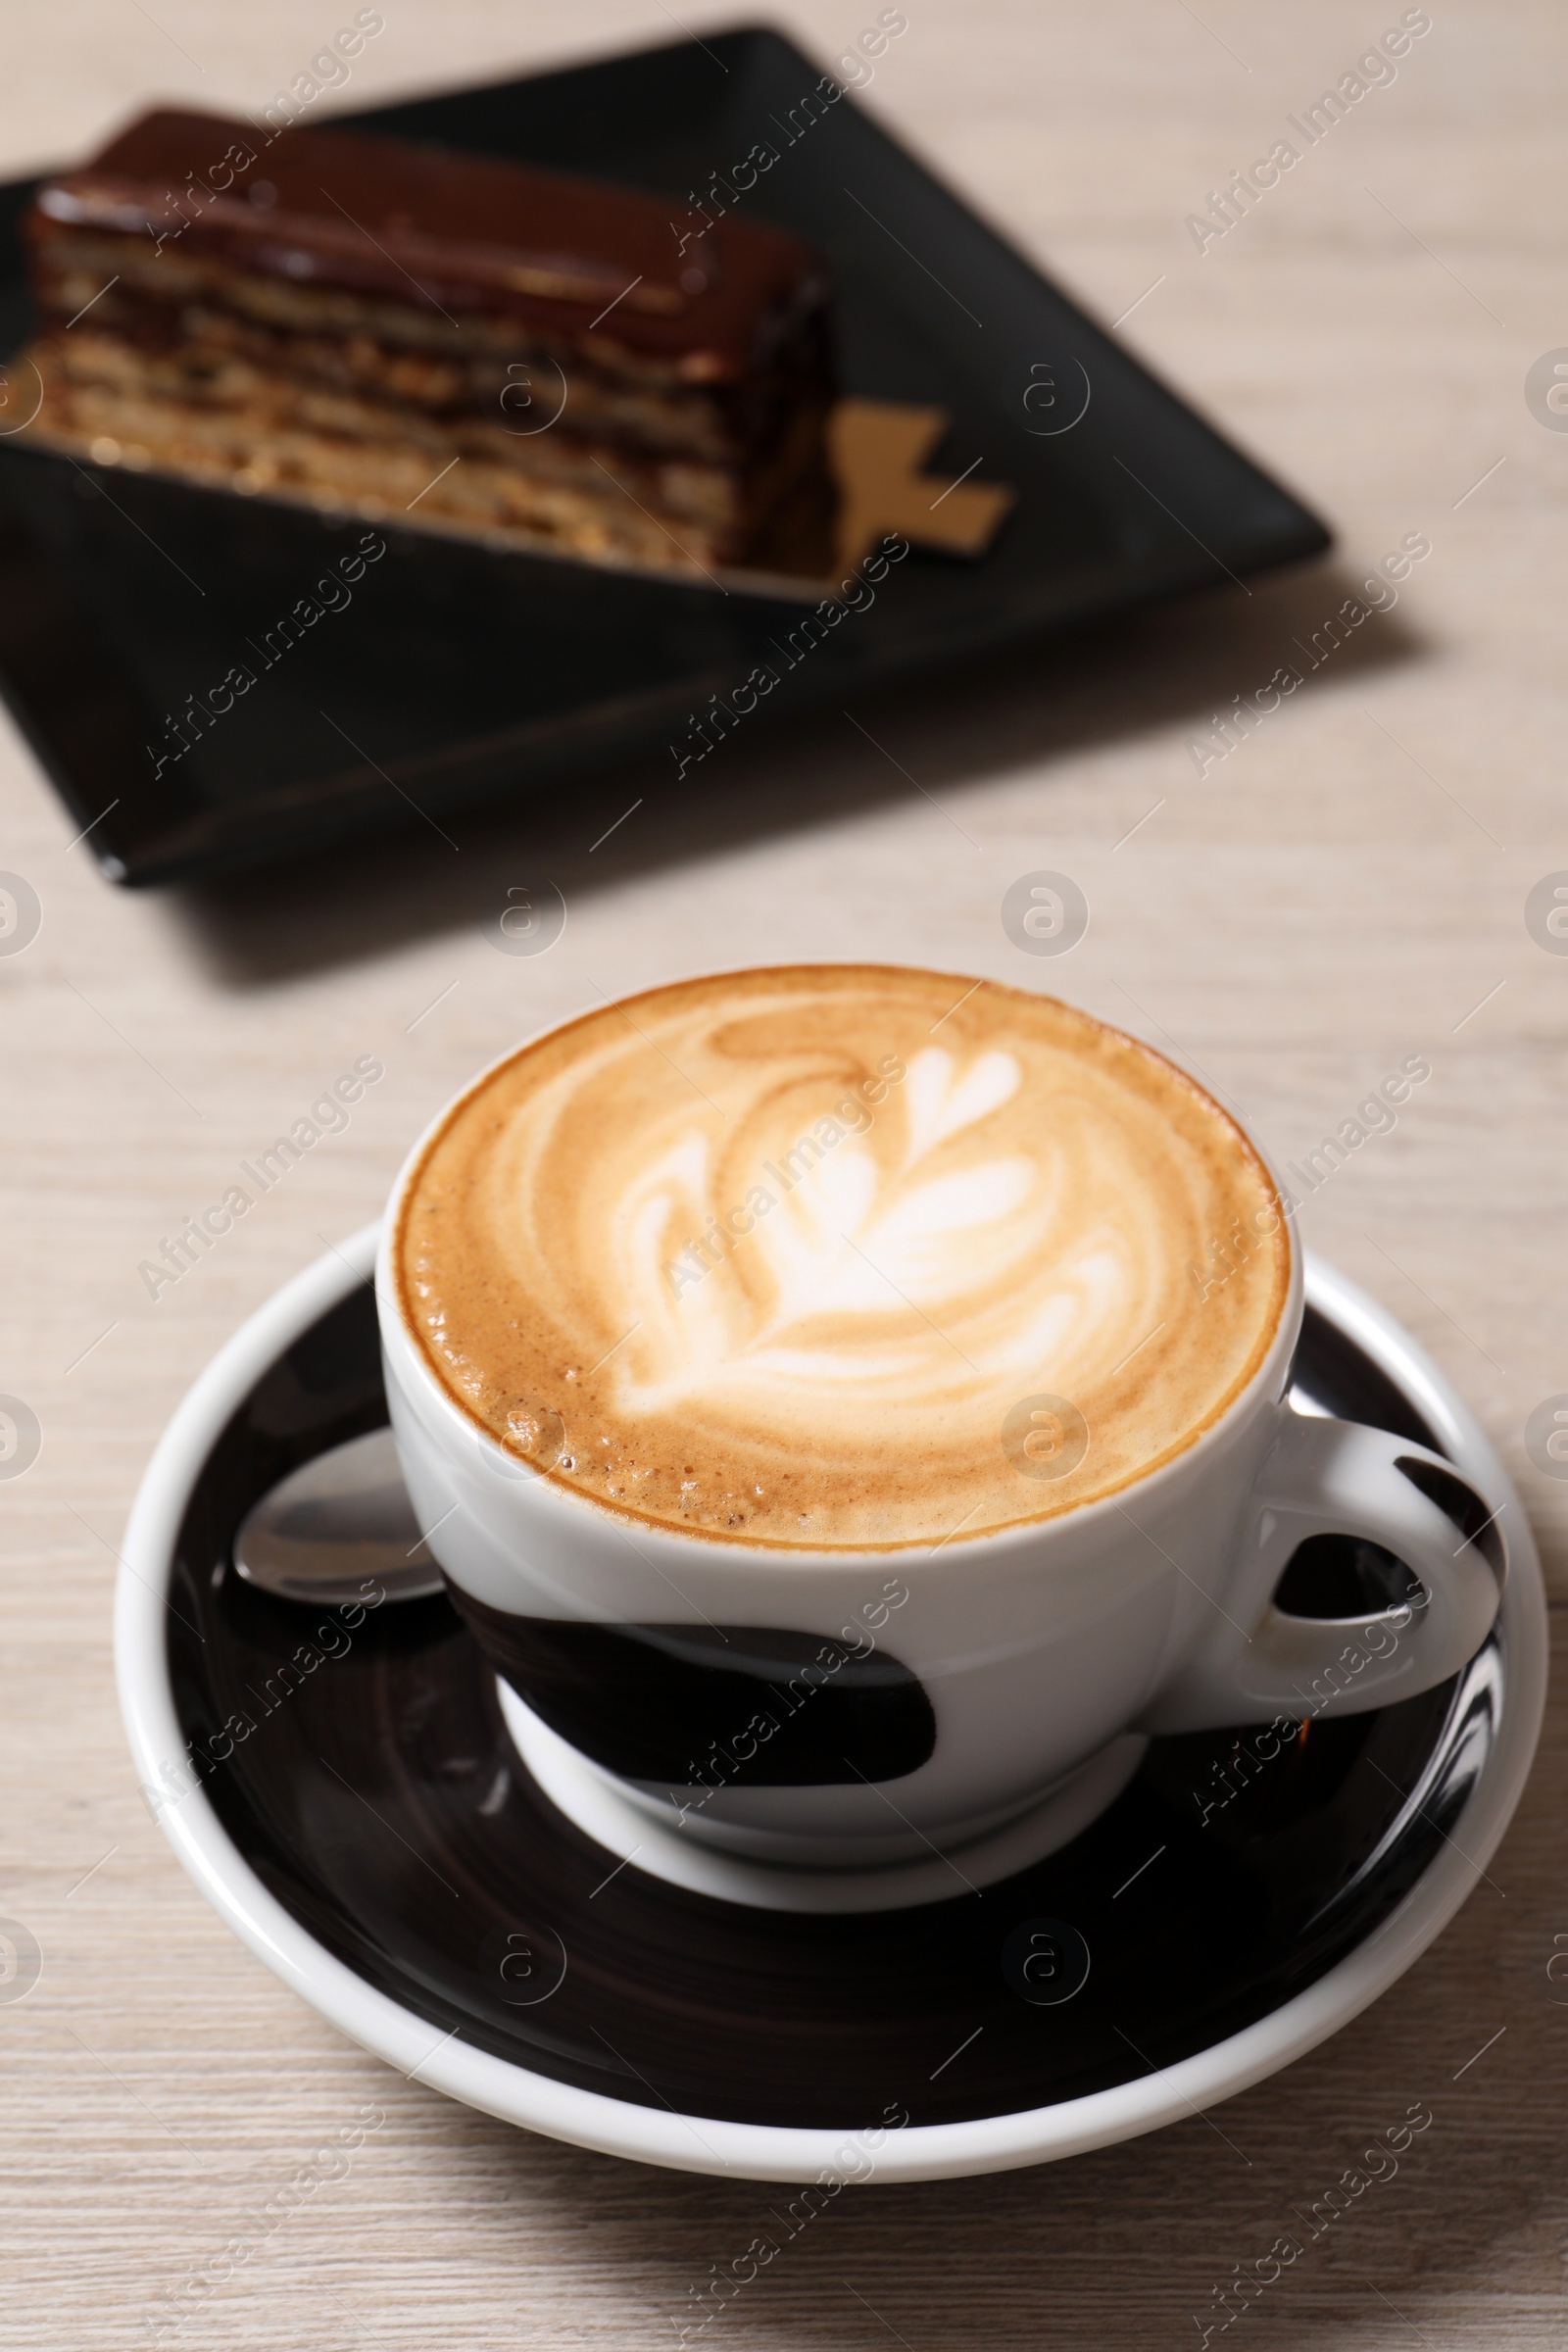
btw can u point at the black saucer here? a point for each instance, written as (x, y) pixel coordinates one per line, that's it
(380, 1801)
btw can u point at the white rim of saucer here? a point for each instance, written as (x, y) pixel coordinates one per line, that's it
(773, 2153)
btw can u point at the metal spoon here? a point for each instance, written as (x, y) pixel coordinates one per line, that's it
(335, 1525)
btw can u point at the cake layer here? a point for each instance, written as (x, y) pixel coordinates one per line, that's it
(295, 333)
(242, 428)
(461, 233)
(408, 352)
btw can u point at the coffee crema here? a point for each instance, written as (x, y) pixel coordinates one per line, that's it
(772, 1257)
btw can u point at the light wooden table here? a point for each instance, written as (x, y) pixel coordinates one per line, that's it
(1345, 889)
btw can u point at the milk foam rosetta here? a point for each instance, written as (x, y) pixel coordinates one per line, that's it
(773, 1255)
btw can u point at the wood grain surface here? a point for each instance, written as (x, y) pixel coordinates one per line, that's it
(1347, 888)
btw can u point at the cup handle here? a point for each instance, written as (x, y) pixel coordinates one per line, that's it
(1322, 1477)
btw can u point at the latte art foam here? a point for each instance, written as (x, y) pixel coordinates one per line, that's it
(774, 1255)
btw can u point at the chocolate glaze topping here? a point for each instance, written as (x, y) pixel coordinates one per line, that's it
(583, 258)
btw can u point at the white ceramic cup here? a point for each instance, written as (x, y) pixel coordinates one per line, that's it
(928, 1694)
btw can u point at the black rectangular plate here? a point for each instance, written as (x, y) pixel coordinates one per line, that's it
(457, 675)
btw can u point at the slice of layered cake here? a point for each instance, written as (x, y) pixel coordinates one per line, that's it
(402, 330)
